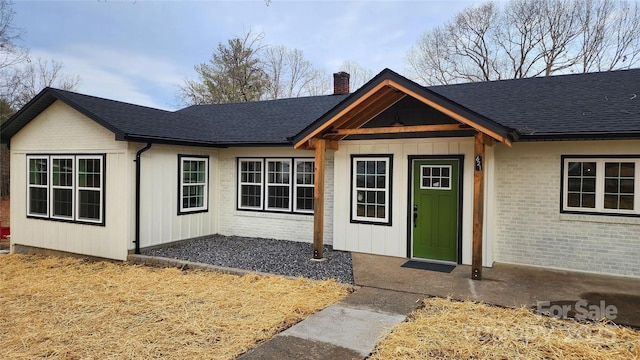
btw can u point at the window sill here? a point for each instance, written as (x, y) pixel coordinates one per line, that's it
(606, 219)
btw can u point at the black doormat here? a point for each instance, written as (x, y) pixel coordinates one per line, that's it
(429, 266)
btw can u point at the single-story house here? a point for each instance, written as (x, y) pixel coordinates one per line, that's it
(538, 171)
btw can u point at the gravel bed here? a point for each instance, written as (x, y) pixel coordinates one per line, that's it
(265, 255)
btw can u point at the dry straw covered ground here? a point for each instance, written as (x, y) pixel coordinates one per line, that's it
(64, 308)
(445, 329)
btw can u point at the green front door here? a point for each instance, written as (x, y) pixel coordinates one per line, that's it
(435, 209)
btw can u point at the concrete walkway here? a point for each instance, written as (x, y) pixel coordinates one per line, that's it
(387, 292)
(349, 329)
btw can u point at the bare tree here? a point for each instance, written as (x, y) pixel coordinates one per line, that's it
(10, 52)
(526, 38)
(23, 83)
(358, 74)
(290, 74)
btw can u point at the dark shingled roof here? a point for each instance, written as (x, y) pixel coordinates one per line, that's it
(592, 105)
(261, 122)
(580, 106)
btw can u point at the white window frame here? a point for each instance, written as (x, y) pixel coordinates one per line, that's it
(387, 190)
(99, 190)
(204, 184)
(297, 185)
(241, 183)
(46, 186)
(269, 184)
(600, 185)
(75, 194)
(54, 187)
(432, 167)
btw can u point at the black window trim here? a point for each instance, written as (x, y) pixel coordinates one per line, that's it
(390, 190)
(206, 185)
(595, 157)
(263, 160)
(75, 219)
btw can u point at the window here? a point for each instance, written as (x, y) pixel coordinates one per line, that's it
(435, 177)
(38, 186)
(62, 187)
(194, 176)
(278, 185)
(371, 184)
(267, 184)
(601, 185)
(250, 183)
(304, 186)
(66, 187)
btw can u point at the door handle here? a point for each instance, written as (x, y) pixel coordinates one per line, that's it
(415, 215)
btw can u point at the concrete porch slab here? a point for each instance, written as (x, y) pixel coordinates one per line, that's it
(504, 285)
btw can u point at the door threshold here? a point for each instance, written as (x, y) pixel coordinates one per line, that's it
(434, 261)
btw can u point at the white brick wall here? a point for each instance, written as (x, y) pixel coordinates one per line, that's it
(529, 228)
(285, 226)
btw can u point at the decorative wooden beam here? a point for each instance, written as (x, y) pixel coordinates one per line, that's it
(318, 198)
(451, 113)
(399, 129)
(340, 114)
(478, 204)
(328, 144)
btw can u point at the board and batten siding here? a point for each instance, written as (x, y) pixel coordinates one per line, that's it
(262, 224)
(59, 129)
(159, 219)
(531, 230)
(392, 240)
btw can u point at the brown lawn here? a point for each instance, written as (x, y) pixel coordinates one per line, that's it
(64, 308)
(445, 329)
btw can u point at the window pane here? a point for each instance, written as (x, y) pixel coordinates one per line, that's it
(250, 196)
(89, 173)
(574, 184)
(38, 171)
(304, 199)
(619, 185)
(573, 200)
(62, 172)
(612, 169)
(581, 184)
(588, 201)
(62, 202)
(38, 201)
(89, 204)
(611, 185)
(627, 169)
(627, 186)
(589, 169)
(626, 202)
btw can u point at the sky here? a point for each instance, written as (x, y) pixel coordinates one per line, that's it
(140, 51)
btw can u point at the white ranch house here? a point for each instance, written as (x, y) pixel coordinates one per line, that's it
(541, 171)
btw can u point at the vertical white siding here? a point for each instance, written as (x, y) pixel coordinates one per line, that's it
(392, 240)
(60, 129)
(159, 189)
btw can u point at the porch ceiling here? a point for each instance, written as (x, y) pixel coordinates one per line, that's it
(349, 120)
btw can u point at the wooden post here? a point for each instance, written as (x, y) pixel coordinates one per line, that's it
(318, 198)
(478, 205)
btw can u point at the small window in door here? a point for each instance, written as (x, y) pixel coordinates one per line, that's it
(436, 177)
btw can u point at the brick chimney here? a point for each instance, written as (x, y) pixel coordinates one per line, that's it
(340, 83)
